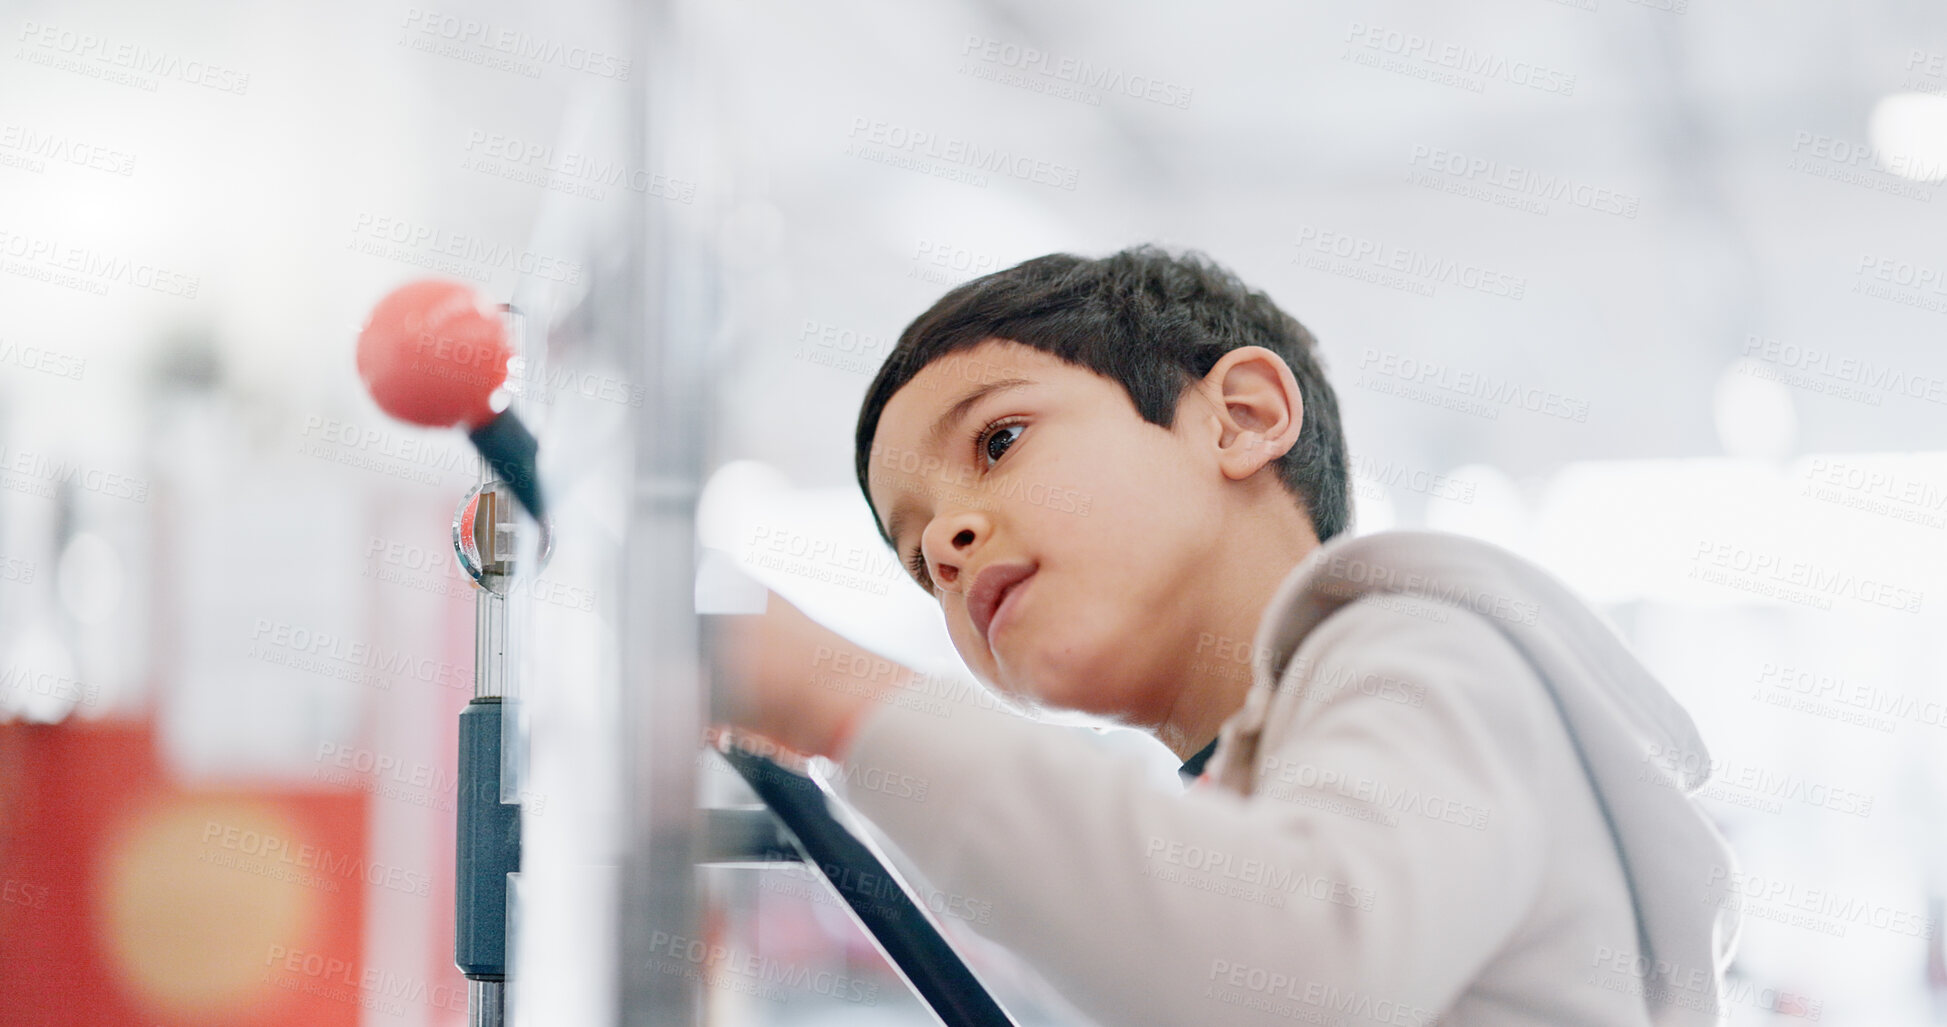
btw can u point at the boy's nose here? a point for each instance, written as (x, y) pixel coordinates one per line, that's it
(949, 571)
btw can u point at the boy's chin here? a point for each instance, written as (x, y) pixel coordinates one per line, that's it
(1034, 693)
(1062, 696)
(1070, 688)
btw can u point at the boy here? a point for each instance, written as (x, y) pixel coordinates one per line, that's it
(1438, 789)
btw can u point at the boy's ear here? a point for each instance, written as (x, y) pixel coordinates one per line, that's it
(1258, 409)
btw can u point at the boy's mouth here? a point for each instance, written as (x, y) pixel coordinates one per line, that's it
(991, 586)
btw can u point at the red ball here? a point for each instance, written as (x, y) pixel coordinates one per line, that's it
(432, 353)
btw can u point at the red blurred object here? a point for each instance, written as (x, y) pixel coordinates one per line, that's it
(127, 900)
(433, 354)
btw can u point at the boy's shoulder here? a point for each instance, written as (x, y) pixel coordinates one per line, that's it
(1413, 584)
(1409, 666)
(1426, 632)
(1403, 647)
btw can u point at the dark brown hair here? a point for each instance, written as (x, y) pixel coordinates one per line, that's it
(1152, 322)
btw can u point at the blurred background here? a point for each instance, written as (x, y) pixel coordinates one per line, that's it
(1650, 291)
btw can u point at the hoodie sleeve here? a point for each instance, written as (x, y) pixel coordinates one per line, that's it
(1389, 847)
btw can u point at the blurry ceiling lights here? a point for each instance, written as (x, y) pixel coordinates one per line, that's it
(1480, 501)
(1909, 134)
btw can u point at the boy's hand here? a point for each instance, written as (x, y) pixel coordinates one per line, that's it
(789, 678)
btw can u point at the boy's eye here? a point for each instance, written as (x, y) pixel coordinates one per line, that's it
(985, 440)
(987, 445)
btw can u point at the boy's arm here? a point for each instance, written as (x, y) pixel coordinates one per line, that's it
(1338, 880)
(793, 680)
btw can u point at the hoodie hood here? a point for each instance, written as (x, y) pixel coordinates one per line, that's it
(1640, 748)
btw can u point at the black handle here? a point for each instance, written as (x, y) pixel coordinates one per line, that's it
(898, 924)
(509, 448)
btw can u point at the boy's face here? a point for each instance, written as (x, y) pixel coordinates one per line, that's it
(1121, 521)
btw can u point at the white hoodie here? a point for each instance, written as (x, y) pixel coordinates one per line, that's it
(1452, 796)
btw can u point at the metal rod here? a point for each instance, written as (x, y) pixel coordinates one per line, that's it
(667, 329)
(489, 645)
(486, 1003)
(487, 833)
